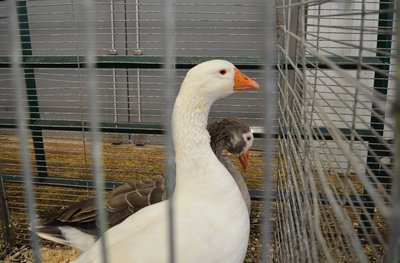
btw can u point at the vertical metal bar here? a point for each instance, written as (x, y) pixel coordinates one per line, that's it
(81, 100)
(314, 213)
(381, 81)
(9, 237)
(137, 137)
(358, 76)
(364, 218)
(96, 149)
(33, 103)
(138, 81)
(113, 51)
(270, 93)
(128, 95)
(22, 124)
(291, 49)
(169, 76)
(394, 236)
(308, 138)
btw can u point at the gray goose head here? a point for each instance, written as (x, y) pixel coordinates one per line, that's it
(232, 135)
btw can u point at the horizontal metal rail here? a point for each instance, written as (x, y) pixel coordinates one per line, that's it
(157, 128)
(72, 125)
(181, 62)
(74, 182)
(256, 195)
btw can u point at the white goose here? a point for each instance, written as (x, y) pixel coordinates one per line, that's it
(76, 225)
(211, 220)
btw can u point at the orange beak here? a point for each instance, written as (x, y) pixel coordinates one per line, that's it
(244, 159)
(242, 82)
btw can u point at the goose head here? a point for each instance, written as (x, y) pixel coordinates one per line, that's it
(232, 135)
(243, 144)
(202, 86)
(216, 79)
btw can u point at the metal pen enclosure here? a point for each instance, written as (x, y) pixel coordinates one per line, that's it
(130, 57)
(337, 81)
(331, 174)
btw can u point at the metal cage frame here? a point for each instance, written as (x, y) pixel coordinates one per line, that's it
(23, 63)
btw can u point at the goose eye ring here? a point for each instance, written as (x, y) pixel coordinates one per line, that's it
(222, 71)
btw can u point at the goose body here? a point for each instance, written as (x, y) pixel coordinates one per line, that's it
(211, 219)
(76, 225)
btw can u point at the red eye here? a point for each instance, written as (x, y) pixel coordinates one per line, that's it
(222, 71)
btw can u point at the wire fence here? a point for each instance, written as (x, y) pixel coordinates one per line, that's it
(131, 99)
(100, 74)
(336, 160)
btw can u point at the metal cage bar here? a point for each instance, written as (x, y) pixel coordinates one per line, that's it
(170, 80)
(95, 135)
(22, 123)
(270, 111)
(394, 238)
(34, 112)
(381, 81)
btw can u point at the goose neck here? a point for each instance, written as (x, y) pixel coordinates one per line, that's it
(189, 125)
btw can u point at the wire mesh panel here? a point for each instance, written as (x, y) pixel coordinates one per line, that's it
(337, 83)
(130, 85)
(332, 167)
